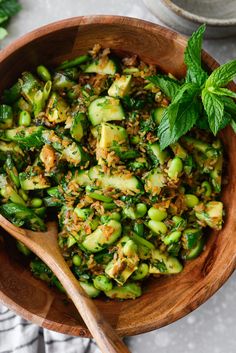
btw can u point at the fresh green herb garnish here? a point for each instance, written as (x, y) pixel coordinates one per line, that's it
(8, 8)
(201, 100)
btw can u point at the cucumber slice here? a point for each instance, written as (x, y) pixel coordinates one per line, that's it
(190, 237)
(78, 127)
(157, 114)
(154, 181)
(212, 215)
(125, 262)
(21, 215)
(120, 182)
(6, 116)
(81, 177)
(162, 263)
(157, 155)
(57, 109)
(103, 67)
(104, 235)
(29, 137)
(33, 182)
(111, 133)
(120, 87)
(127, 291)
(74, 154)
(105, 109)
(196, 251)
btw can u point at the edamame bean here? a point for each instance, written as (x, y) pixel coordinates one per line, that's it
(177, 219)
(77, 260)
(116, 216)
(24, 118)
(172, 237)
(157, 214)
(157, 227)
(139, 228)
(207, 188)
(135, 212)
(103, 283)
(191, 200)
(130, 248)
(90, 289)
(36, 202)
(141, 209)
(141, 272)
(175, 168)
(43, 73)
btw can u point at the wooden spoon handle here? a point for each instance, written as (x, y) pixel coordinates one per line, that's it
(104, 335)
(45, 246)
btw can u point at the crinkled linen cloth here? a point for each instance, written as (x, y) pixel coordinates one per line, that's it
(20, 336)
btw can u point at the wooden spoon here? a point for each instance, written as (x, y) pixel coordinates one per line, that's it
(45, 246)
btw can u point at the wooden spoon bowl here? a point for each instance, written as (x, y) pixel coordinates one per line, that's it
(165, 299)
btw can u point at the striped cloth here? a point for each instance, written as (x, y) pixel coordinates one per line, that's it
(20, 336)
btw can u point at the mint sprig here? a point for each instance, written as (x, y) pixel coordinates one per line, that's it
(169, 86)
(8, 9)
(200, 100)
(192, 58)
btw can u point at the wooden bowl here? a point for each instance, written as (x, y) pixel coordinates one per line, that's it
(165, 299)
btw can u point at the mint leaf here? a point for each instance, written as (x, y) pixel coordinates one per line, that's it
(222, 91)
(226, 120)
(166, 84)
(184, 122)
(214, 108)
(3, 33)
(181, 102)
(9, 8)
(222, 75)
(202, 123)
(192, 58)
(233, 125)
(229, 105)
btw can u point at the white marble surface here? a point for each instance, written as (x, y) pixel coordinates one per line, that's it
(212, 327)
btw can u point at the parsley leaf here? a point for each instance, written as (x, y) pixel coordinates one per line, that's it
(222, 75)
(168, 86)
(214, 108)
(192, 58)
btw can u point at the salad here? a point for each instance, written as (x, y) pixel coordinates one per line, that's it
(100, 144)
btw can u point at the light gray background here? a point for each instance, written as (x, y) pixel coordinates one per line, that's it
(212, 327)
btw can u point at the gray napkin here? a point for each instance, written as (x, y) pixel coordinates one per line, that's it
(20, 336)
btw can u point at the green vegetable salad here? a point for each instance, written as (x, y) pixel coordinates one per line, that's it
(123, 156)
